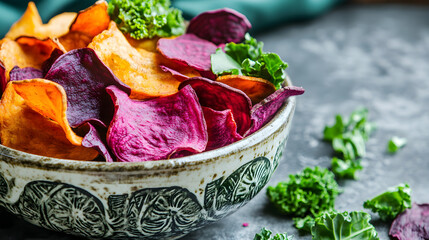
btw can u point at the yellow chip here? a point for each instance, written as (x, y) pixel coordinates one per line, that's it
(31, 126)
(255, 88)
(30, 24)
(138, 69)
(26, 52)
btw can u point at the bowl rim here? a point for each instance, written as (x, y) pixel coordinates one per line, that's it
(43, 162)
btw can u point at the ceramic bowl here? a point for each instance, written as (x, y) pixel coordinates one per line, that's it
(163, 199)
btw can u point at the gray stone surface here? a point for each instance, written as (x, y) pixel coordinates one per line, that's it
(373, 56)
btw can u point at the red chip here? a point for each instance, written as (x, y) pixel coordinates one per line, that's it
(188, 49)
(156, 129)
(220, 26)
(265, 110)
(24, 73)
(221, 128)
(220, 96)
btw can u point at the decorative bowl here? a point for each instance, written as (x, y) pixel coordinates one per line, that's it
(163, 199)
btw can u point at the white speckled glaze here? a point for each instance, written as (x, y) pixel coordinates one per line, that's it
(145, 200)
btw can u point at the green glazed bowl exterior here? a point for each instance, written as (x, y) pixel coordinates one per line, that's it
(163, 199)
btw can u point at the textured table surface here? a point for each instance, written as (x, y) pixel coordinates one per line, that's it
(374, 56)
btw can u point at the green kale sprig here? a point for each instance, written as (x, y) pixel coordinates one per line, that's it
(344, 226)
(146, 18)
(249, 59)
(266, 234)
(390, 203)
(348, 138)
(307, 193)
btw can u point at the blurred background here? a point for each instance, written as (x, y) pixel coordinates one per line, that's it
(263, 15)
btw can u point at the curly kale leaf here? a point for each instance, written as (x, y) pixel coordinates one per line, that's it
(390, 203)
(307, 193)
(265, 234)
(345, 168)
(344, 226)
(146, 18)
(249, 59)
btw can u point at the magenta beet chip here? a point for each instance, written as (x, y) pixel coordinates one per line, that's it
(48, 63)
(221, 128)
(24, 73)
(188, 49)
(220, 26)
(177, 75)
(219, 97)
(155, 129)
(413, 223)
(265, 110)
(84, 78)
(94, 140)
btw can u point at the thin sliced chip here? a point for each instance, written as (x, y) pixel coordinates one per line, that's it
(84, 77)
(265, 110)
(75, 40)
(27, 25)
(24, 129)
(221, 128)
(219, 96)
(48, 63)
(138, 69)
(30, 52)
(31, 25)
(95, 138)
(17, 73)
(188, 49)
(255, 88)
(93, 20)
(220, 26)
(157, 128)
(59, 25)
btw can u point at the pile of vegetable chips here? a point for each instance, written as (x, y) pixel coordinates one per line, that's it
(84, 87)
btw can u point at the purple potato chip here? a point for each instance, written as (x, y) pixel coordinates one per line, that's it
(219, 96)
(3, 80)
(55, 54)
(84, 78)
(93, 139)
(24, 73)
(413, 223)
(176, 74)
(156, 129)
(265, 110)
(220, 26)
(221, 128)
(188, 49)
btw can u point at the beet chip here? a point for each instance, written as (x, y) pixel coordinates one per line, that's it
(219, 97)
(176, 74)
(24, 73)
(412, 223)
(220, 26)
(93, 140)
(265, 110)
(84, 78)
(221, 128)
(157, 128)
(188, 49)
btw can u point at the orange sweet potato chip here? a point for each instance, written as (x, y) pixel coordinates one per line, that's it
(27, 25)
(39, 126)
(87, 24)
(255, 88)
(138, 69)
(26, 52)
(93, 20)
(30, 24)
